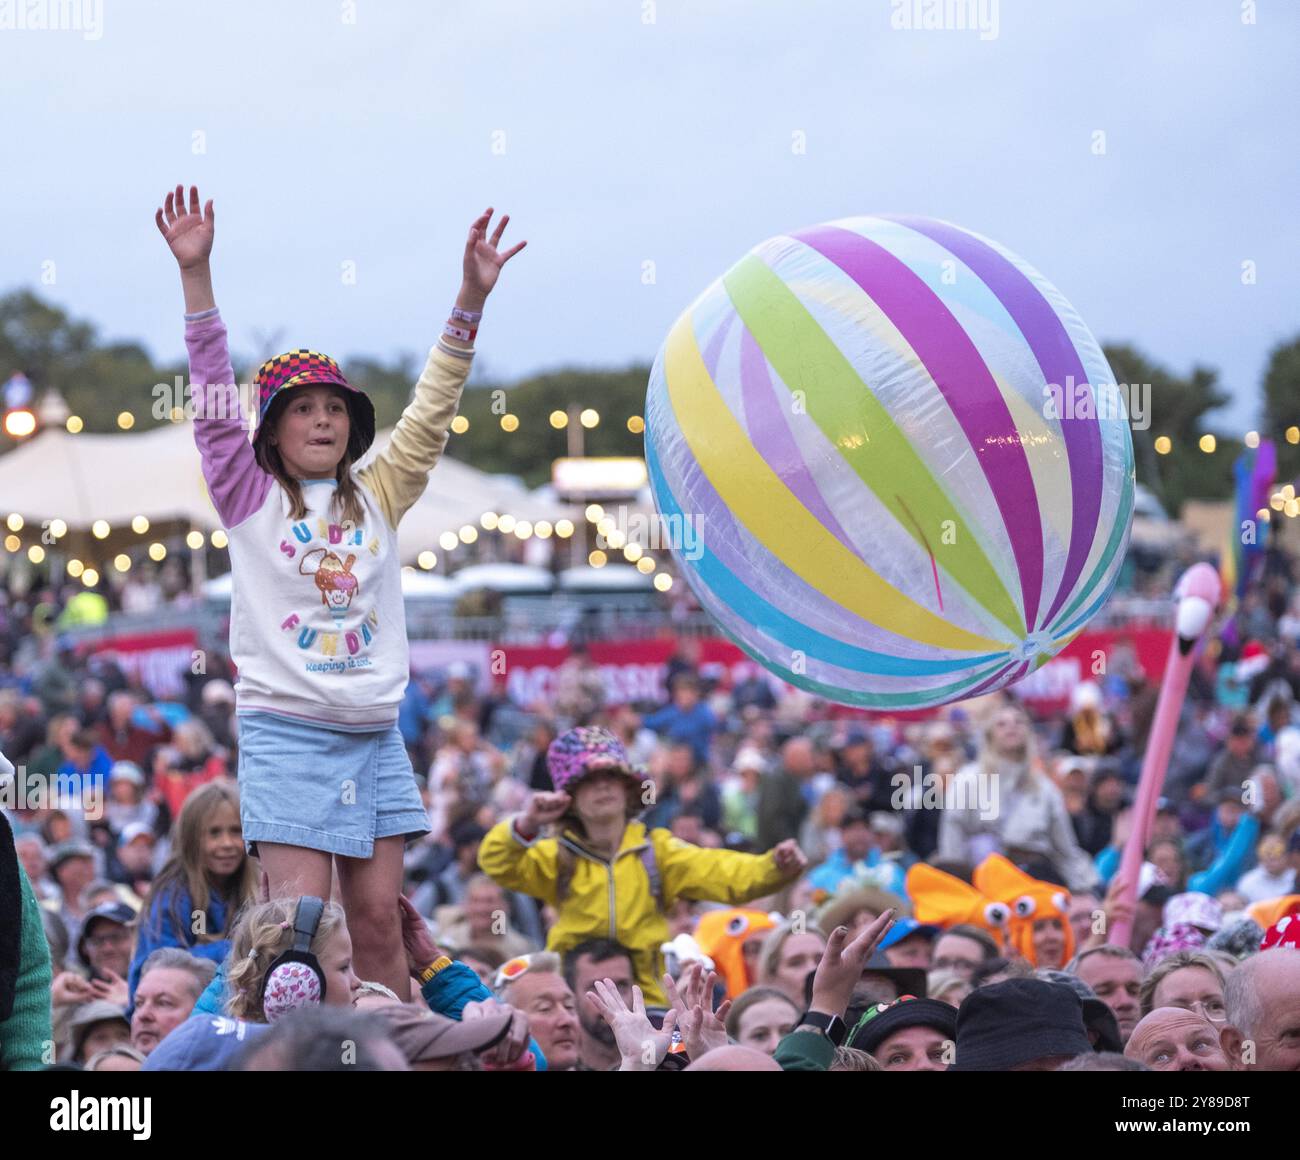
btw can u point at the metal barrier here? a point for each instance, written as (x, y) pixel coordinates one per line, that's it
(546, 622)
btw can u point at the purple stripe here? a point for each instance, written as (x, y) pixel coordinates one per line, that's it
(770, 433)
(1058, 360)
(771, 578)
(957, 369)
(713, 352)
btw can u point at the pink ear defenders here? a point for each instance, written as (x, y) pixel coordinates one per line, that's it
(295, 979)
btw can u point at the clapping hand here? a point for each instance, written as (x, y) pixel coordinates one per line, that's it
(640, 1045)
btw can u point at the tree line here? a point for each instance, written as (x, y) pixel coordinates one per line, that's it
(99, 379)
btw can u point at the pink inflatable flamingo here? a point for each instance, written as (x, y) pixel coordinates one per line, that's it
(1198, 593)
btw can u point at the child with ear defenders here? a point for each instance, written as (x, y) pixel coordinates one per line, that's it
(318, 629)
(605, 873)
(260, 989)
(264, 933)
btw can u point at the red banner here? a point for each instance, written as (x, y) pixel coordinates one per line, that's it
(157, 659)
(634, 670)
(1092, 657)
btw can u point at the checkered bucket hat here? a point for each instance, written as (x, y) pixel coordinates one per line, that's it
(300, 368)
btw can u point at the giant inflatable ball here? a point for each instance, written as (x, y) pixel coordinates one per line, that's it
(893, 461)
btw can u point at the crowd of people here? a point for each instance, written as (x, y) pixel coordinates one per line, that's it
(741, 877)
(340, 864)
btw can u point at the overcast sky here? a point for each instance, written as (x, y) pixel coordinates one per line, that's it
(619, 132)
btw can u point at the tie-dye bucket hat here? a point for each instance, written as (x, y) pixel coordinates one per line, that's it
(301, 368)
(583, 750)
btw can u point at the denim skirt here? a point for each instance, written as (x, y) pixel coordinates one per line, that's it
(302, 784)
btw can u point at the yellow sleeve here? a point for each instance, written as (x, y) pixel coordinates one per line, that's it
(529, 867)
(400, 473)
(713, 875)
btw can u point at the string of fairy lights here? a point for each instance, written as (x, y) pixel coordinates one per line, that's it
(89, 573)
(1284, 501)
(504, 523)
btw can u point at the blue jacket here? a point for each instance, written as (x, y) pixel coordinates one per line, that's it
(95, 774)
(837, 870)
(454, 986)
(695, 728)
(1234, 855)
(159, 930)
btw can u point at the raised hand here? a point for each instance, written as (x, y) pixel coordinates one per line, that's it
(189, 233)
(1115, 908)
(641, 1046)
(483, 261)
(842, 962)
(545, 808)
(790, 860)
(691, 996)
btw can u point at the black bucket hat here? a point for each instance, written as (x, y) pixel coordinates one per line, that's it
(1007, 1024)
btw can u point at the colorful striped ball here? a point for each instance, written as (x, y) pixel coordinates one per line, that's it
(893, 461)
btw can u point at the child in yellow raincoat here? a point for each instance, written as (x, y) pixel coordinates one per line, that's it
(604, 873)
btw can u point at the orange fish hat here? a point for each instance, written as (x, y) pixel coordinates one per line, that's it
(1030, 900)
(722, 934)
(944, 900)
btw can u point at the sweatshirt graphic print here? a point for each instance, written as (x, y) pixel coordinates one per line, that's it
(317, 623)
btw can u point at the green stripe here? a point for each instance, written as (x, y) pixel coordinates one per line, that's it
(844, 407)
(1112, 546)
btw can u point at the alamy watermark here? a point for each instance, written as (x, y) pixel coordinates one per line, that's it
(681, 533)
(945, 16)
(926, 791)
(70, 792)
(84, 16)
(1104, 401)
(213, 401)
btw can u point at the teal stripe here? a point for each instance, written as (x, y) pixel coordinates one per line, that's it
(1117, 533)
(918, 699)
(785, 629)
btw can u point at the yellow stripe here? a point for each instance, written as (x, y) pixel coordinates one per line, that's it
(1048, 462)
(775, 517)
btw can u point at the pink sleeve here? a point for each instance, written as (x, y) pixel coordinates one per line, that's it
(237, 485)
